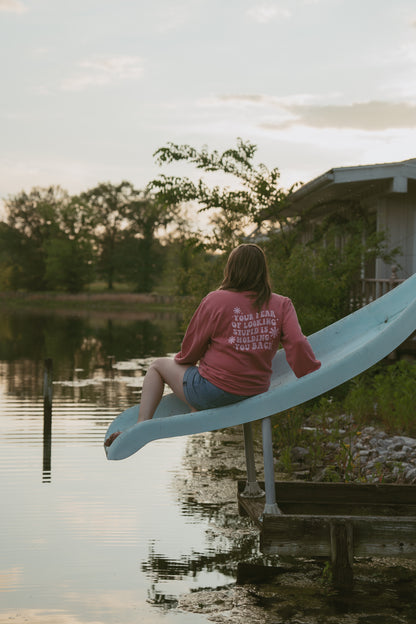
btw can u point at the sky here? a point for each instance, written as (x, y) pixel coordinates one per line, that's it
(90, 89)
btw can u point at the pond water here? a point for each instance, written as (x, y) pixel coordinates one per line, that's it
(84, 539)
(154, 538)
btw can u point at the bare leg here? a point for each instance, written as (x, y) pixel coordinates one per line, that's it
(161, 371)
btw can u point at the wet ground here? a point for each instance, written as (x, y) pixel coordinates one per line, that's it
(286, 590)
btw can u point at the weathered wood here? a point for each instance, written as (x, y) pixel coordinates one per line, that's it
(298, 497)
(47, 389)
(381, 519)
(47, 420)
(342, 558)
(257, 573)
(297, 536)
(310, 536)
(252, 507)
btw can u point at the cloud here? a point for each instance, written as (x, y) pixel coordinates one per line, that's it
(262, 100)
(13, 6)
(103, 71)
(264, 13)
(370, 116)
(280, 113)
(245, 98)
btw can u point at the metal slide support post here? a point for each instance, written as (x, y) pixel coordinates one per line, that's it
(271, 505)
(252, 489)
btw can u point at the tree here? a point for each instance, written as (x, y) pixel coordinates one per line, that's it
(107, 206)
(126, 223)
(50, 240)
(255, 199)
(10, 266)
(319, 275)
(68, 264)
(33, 219)
(146, 216)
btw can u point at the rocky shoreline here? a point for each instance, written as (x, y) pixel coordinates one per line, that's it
(384, 589)
(368, 456)
(393, 459)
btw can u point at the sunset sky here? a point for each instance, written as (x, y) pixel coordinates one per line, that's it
(91, 88)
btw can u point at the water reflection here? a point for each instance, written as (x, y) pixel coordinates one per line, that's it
(156, 536)
(86, 351)
(76, 343)
(221, 558)
(47, 446)
(85, 539)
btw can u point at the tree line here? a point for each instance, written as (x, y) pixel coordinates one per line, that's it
(51, 240)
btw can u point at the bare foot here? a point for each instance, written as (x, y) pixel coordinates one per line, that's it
(111, 438)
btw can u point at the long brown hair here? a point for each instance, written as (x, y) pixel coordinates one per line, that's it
(246, 269)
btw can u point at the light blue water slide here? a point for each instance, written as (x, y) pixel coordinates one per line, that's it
(345, 348)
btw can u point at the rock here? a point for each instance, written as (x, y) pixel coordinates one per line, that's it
(398, 456)
(404, 440)
(299, 453)
(410, 475)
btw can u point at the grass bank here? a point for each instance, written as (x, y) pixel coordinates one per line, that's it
(94, 301)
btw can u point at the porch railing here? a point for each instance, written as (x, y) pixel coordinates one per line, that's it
(370, 289)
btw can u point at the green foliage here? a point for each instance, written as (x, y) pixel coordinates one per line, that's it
(108, 204)
(112, 231)
(68, 264)
(255, 197)
(186, 257)
(385, 395)
(126, 222)
(34, 214)
(139, 261)
(10, 265)
(321, 276)
(54, 241)
(32, 221)
(315, 263)
(287, 430)
(203, 276)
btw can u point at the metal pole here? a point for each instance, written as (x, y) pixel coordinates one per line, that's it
(252, 489)
(271, 505)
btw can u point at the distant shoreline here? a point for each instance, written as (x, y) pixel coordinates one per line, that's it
(101, 303)
(88, 297)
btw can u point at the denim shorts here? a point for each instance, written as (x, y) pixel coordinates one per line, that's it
(202, 394)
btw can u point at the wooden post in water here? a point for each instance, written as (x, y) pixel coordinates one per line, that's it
(47, 420)
(341, 535)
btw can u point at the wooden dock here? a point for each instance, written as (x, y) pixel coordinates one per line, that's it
(338, 521)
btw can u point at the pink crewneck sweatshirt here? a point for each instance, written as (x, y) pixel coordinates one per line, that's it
(235, 343)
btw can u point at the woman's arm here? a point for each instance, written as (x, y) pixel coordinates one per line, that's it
(197, 336)
(299, 354)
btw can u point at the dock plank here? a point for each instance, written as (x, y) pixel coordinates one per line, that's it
(382, 517)
(311, 535)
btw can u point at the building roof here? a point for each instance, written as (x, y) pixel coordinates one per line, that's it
(352, 183)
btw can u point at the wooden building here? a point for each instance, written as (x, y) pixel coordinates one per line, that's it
(388, 193)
